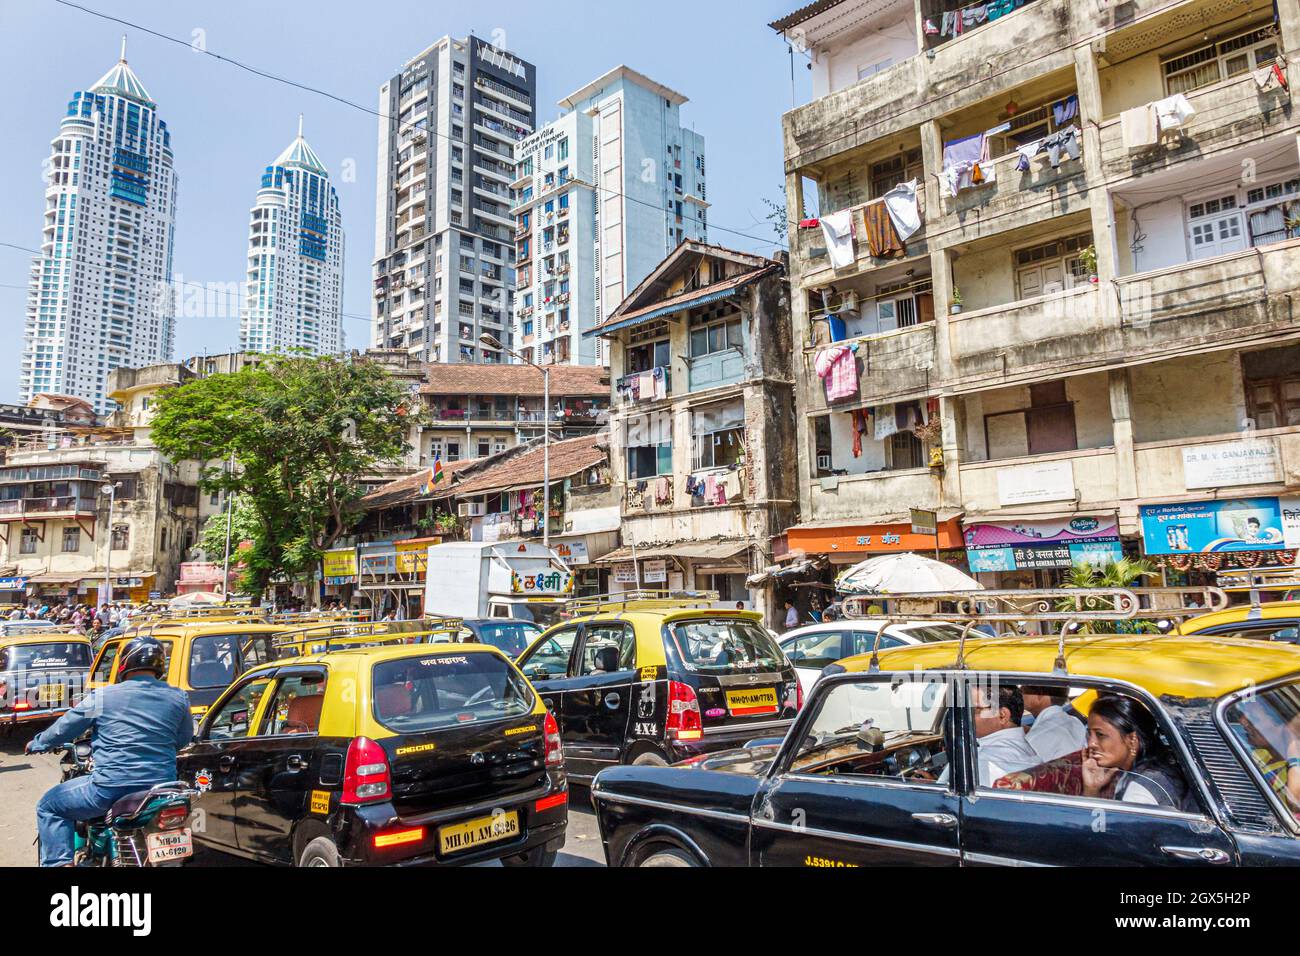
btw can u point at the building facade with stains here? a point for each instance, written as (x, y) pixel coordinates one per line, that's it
(1044, 264)
(701, 424)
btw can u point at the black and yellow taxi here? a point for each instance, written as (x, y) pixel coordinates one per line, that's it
(1265, 621)
(204, 654)
(1144, 750)
(653, 678)
(43, 672)
(390, 754)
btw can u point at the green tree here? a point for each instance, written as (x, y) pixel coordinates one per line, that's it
(1113, 574)
(303, 431)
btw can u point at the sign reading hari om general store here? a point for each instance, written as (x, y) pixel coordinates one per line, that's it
(543, 582)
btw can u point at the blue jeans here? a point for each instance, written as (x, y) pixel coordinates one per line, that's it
(62, 806)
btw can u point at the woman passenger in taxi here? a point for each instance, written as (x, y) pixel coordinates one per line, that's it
(1124, 750)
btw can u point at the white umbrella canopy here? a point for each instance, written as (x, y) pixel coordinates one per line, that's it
(904, 573)
(197, 598)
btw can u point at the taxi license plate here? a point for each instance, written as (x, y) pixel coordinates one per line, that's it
(164, 847)
(479, 832)
(49, 694)
(747, 703)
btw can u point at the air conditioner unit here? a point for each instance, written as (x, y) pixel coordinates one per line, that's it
(470, 509)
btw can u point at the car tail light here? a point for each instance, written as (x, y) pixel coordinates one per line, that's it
(365, 773)
(398, 837)
(554, 800)
(684, 721)
(554, 748)
(172, 817)
(22, 705)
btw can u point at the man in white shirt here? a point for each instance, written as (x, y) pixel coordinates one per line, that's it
(1054, 733)
(791, 615)
(1000, 744)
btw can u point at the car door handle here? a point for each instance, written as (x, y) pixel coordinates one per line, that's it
(945, 820)
(226, 762)
(611, 701)
(295, 762)
(1201, 854)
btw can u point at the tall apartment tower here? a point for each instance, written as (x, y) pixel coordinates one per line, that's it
(100, 295)
(603, 194)
(444, 231)
(295, 258)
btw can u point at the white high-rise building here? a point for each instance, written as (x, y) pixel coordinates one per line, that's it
(100, 295)
(603, 194)
(294, 296)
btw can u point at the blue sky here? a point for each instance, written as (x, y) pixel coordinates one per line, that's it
(227, 125)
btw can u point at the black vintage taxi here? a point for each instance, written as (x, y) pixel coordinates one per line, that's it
(1149, 751)
(389, 755)
(649, 677)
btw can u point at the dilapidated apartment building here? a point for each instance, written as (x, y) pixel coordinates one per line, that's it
(1045, 262)
(702, 422)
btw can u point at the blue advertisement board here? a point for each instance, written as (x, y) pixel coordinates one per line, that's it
(1197, 527)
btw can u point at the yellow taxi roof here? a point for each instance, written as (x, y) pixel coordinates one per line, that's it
(353, 656)
(1242, 613)
(182, 628)
(1161, 664)
(44, 637)
(658, 615)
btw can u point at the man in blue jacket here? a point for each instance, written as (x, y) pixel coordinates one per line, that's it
(137, 725)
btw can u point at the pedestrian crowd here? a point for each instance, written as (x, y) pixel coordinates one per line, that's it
(84, 618)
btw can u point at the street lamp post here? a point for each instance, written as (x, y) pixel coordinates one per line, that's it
(108, 488)
(492, 343)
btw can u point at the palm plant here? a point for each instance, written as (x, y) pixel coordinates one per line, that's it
(1119, 573)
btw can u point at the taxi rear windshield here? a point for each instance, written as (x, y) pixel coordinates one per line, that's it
(40, 656)
(513, 637)
(417, 694)
(725, 647)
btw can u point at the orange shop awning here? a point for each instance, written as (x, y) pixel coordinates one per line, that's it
(872, 538)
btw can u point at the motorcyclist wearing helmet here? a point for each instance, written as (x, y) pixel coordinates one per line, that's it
(137, 725)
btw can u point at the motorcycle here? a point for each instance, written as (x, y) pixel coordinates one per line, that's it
(145, 828)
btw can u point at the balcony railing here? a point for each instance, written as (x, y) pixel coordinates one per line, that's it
(17, 508)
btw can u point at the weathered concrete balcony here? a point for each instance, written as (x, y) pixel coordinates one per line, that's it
(892, 365)
(972, 67)
(1013, 200)
(1239, 297)
(1094, 481)
(1228, 114)
(816, 270)
(870, 497)
(1160, 464)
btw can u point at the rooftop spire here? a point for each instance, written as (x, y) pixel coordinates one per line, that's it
(122, 58)
(299, 125)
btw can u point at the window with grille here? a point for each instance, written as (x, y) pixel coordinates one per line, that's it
(1220, 60)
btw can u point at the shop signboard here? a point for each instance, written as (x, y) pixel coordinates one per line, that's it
(13, 584)
(1290, 508)
(1040, 481)
(572, 552)
(1238, 524)
(413, 554)
(339, 566)
(625, 573)
(1230, 463)
(654, 572)
(1058, 543)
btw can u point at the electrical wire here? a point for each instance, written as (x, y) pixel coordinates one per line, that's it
(421, 126)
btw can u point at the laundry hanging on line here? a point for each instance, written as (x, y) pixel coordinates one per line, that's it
(837, 228)
(837, 367)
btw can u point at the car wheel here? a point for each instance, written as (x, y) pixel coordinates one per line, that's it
(668, 857)
(649, 760)
(537, 856)
(319, 852)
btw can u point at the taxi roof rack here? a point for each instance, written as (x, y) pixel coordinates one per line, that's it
(145, 625)
(643, 598)
(1069, 607)
(365, 633)
(307, 617)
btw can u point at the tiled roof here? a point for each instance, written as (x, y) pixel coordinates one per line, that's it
(568, 458)
(408, 489)
(682, 301)
(567, 381)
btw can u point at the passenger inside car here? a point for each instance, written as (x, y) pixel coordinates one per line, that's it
(1001, 746)
(1268, 727)
(1055, 732)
